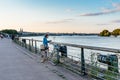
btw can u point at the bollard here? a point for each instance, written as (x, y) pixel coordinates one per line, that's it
(82, 62)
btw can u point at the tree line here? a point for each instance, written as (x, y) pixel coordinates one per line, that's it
(9, 31)
(115, 32)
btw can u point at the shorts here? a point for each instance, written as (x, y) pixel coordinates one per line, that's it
(46, 48)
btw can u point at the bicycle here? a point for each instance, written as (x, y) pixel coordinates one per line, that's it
(54, 55)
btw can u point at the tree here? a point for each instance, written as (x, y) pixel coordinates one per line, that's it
(9, 31)
(105, 33)
(116, 32)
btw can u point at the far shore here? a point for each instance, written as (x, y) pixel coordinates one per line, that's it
(59, 34)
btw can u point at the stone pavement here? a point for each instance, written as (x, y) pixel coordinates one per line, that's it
(15, 65)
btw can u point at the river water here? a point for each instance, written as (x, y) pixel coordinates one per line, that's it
(108, 42)
(97, 41)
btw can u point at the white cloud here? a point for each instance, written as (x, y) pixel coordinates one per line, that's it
(116, 8)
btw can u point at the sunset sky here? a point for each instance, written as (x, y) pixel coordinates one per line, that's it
(82, 16)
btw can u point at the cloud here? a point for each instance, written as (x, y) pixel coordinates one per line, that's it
(92, 14)
(116, 21)
(60, 21)
(116, 8)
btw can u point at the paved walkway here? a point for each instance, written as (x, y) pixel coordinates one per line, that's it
(15, 65)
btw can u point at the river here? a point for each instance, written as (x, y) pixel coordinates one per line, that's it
(97, 41)
(108, 42)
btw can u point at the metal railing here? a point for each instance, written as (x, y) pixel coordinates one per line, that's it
(98, 62)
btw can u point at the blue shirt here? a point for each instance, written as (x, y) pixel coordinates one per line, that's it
(45, 42)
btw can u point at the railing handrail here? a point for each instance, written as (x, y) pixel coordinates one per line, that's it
(93, 67)
(83, 46)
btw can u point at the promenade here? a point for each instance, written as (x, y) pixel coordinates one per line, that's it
(16, 65)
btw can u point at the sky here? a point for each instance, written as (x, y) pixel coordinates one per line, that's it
(80, 16)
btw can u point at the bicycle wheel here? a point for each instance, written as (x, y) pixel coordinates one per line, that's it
(53, 57)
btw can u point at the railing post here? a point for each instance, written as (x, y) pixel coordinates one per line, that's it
(58, 57)
(82, 62)
(21, 43)
(25, 44)
(35, 46)
(29, 46)
(32, 42)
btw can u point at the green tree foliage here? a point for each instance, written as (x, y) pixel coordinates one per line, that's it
(9, 31)
(116, 32)
(105, 33)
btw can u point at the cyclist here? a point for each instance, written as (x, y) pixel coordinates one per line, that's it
(46, 48)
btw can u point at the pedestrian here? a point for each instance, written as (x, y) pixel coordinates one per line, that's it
(1, 36)
(13, 37)
(45, 48)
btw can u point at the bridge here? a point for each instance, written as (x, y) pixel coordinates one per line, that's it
(17, 63)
